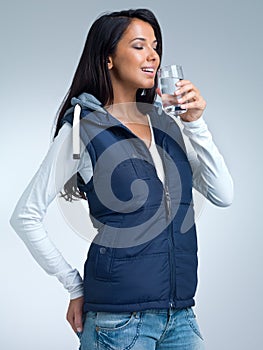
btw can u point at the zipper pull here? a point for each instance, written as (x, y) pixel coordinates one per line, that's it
(168, 201)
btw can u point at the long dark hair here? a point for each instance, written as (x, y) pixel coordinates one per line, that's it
(92, 75)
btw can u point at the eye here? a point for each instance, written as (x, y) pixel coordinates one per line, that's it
(138, 47)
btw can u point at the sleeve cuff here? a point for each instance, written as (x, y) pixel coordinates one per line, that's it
(196, 123)
(77, 293)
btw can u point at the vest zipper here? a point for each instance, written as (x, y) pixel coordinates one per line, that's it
(171, 241)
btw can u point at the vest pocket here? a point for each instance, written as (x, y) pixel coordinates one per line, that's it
(105, 242)
(103, 263)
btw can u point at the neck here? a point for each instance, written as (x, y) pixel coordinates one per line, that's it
(123, 93)
(125, 111)
(124, 105)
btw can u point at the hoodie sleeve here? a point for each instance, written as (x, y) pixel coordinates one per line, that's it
(210, 173)
(56, 169)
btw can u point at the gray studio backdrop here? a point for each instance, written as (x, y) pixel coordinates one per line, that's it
(219, 43)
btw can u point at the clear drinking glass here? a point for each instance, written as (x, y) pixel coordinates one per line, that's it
(168, 77)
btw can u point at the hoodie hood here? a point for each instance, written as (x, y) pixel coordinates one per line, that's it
(86, 100)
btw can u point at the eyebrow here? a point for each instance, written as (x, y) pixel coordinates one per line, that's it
(143, 39)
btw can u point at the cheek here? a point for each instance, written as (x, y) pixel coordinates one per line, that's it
(129, 60)
(136, 56)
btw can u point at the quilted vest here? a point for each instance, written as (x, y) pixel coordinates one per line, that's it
(144, 255)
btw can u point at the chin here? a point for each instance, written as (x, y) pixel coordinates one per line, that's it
(148, 86)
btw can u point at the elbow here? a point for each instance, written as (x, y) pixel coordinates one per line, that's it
(224, 202)
(228, 197)
(223, 198)
(14, 221)
(24, 222)
(228, 200)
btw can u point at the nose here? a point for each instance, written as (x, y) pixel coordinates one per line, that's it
(152, 54)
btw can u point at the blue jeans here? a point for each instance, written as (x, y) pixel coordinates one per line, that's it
(161, 329)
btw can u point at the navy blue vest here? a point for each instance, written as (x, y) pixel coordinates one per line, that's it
(145, 253)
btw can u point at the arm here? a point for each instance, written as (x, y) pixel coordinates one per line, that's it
(28, 215)
(210, 174)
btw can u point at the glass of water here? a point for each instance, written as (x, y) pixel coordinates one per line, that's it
(168, 77)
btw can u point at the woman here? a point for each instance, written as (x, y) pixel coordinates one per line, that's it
(140, 275)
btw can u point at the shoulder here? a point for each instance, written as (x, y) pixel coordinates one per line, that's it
(69, 115)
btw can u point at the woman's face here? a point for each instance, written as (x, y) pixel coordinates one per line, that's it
(135, 61)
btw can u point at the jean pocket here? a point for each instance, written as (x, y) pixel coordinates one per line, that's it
(191, 319)
(118, 331)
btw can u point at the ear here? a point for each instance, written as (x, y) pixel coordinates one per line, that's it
(110, 62)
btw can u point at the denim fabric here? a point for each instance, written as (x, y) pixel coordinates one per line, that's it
(162, 329)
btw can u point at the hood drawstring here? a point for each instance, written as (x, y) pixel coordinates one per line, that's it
(76, 132)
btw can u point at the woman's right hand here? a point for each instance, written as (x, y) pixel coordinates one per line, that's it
(74, 314)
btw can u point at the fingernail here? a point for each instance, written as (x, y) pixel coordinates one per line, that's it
(79, 330)
(178, 83)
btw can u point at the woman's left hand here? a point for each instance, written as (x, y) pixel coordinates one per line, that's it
(190, 99)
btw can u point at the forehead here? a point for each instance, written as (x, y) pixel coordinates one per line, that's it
(140, 29)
